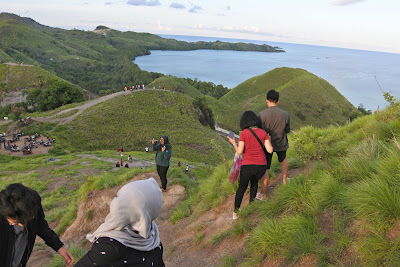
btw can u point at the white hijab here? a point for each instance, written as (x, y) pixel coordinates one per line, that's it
(132, 215)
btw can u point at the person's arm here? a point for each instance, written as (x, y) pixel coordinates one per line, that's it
(268, 146)
(67, 256)
(156, 145)
(239, 148)
(287, 126)
(166, 152)
(43, 230)
(50, 237)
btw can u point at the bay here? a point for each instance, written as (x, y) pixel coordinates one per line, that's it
(351, 71)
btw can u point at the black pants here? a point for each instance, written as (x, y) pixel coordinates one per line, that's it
(162, 172)
(248, 173)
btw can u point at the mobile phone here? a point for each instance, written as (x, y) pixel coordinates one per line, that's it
(231, 135)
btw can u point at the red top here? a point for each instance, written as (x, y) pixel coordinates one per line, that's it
(253, 152)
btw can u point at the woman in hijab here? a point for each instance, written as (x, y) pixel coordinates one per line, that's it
(129, 236)
(163, 154)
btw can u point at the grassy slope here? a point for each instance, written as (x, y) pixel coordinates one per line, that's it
(175, 84)
(309, 99)
(25, 77)
(132, 120)
(343, 212)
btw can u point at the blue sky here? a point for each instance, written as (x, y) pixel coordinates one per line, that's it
(360, 24)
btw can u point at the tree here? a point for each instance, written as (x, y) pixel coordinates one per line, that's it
(56, 94)
(207, 115)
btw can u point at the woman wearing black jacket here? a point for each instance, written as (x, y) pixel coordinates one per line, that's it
(21, 220)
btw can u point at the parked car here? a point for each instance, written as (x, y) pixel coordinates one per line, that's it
(3, 134)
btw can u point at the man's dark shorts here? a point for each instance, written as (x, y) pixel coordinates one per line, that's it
(281, 157)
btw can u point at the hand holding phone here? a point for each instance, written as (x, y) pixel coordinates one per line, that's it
(231, 135)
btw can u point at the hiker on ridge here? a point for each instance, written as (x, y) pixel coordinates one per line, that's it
(276, 122)
(163, 154)
(254, 164)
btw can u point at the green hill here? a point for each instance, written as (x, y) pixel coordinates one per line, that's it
(15, 79)
(309, 99)
(133, 119)
(175, 84)
(92, 60)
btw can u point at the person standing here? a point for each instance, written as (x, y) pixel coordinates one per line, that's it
(276, 122)
(21, 220)
(254, 164)
(163, 154)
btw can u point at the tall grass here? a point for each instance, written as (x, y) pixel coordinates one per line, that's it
(206, 195)
(293, 236)
(76, 252)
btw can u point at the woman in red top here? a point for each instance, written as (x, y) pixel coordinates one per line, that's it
(254, 162)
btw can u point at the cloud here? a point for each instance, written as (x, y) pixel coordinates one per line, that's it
(195, 9)
(245, 29)
(345, 2)
(160, 27)
(177, 5)
(144, 2)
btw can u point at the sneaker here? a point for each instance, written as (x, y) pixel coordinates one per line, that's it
(259, 196)
(235, 216)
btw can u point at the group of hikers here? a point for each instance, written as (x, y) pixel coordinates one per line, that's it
(133, 87)
(129, 236)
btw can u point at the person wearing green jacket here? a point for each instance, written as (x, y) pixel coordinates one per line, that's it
(163, 153)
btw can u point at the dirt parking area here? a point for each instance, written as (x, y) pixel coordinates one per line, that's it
(35, 151)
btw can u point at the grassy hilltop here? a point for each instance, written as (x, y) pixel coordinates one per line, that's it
(21, 77)
(133, 119)
(309, 99)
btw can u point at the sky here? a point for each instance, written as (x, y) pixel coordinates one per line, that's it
(359, 24)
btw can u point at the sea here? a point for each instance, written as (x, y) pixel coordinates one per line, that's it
(359, 75)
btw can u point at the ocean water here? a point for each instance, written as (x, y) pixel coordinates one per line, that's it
(351, 71)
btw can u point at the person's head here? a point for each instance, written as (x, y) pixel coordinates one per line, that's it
(249, 119)
(17, 204)
(164, 140)
(273, 97)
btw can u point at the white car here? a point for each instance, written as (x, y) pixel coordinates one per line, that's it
(3, 134)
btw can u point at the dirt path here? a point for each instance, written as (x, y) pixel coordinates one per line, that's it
(85, 106)
(80, 109)
(6, 78)
(186, 243)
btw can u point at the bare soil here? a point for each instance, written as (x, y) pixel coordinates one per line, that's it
(35, 151)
